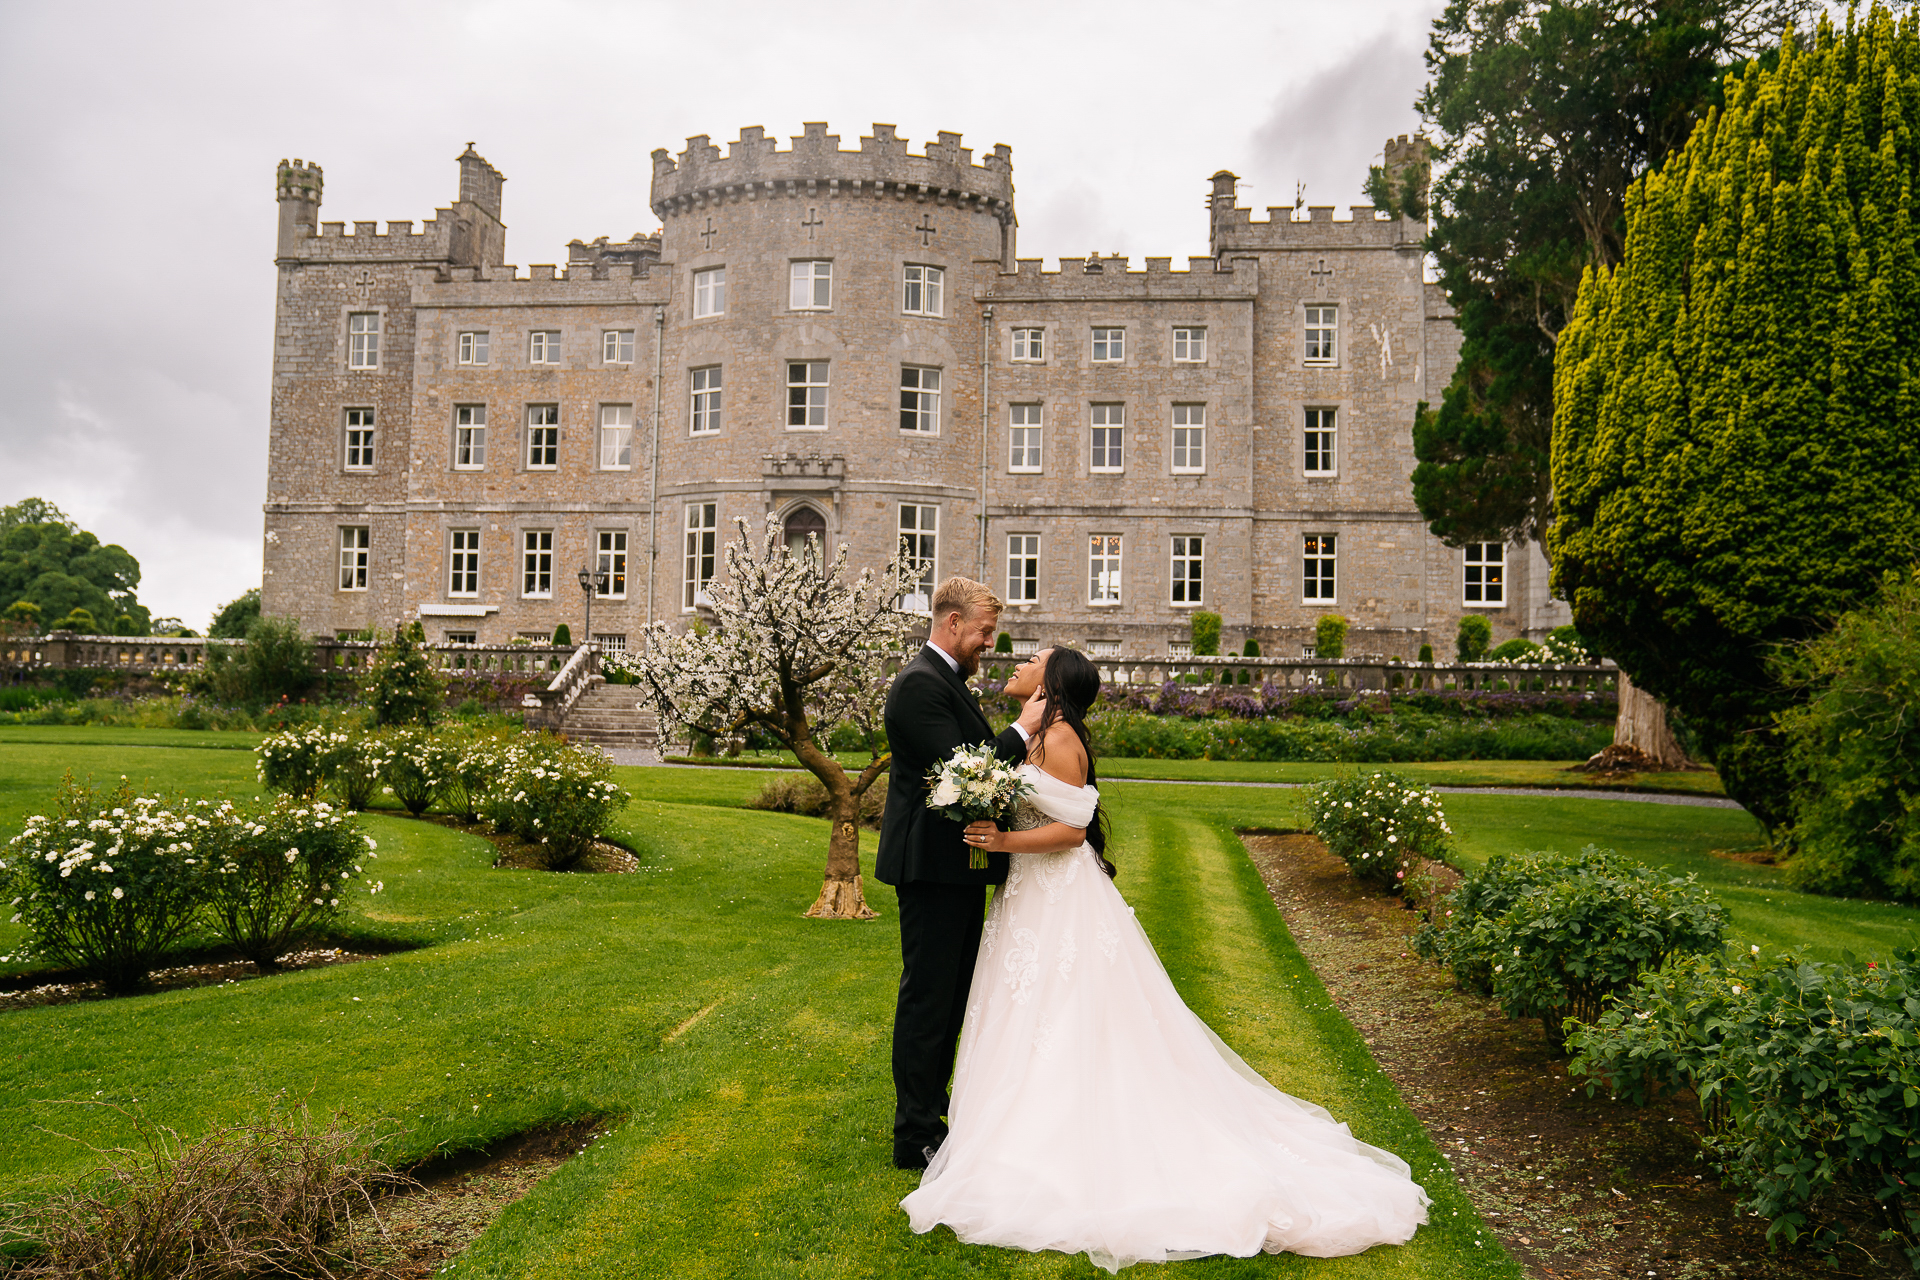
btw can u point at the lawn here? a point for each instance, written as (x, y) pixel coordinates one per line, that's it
(740, 1049)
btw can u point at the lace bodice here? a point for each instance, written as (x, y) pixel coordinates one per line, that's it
(1027, 816)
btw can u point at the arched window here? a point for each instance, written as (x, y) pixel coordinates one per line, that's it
(803, 521)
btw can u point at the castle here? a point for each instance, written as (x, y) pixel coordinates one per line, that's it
(846, 339)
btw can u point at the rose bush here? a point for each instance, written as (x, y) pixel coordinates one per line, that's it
(420, 765)
(1375, 822)
(279, 874)
(553, 795)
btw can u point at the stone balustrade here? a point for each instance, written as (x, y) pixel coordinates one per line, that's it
(1355, 674)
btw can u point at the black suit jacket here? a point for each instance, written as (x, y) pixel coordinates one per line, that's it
(930, 714)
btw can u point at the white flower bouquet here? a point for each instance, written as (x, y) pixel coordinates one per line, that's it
(975, 784)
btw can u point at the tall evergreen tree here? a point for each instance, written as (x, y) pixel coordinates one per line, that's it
(1737, 403)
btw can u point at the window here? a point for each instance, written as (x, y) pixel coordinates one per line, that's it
(1189, 345)
(1316, 559)
(462, 637)
(616, 437)
(543, 436)
(1319, 456)
(810, 286)
(702, 538)
(1179, 648)
(473, 347)
(543, 346)
(1486, 576)
(710, 292)
(536, 562)
(1023, 568)
(469, 437)
(1323, 332)
(1023, 436)
(359, 439)
(1103, 648)
(1189, 438)
(921, 296)
(1109, 433)
(1188, 556)
(919, 399)
(463, 563)
(1025, 648)
(1029, 344)
(616, 346)
(363, 340)
(355, 544)
(1103, 569)
(806, 394)
(920, 544)
(610, 643)
(706, 401)
(1109, 345)
(611, 559)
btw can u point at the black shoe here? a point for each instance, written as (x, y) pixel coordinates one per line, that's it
(907, 1158)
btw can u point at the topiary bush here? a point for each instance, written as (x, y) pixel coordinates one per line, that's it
(280, 873)
(1003, 643)
(1552, 936)
(562, 635)
(1426, 653)
(1805, 1071)
(1475, 634)
(1330, 636)
(1252, 649)
(1204, 629)
(1375, 822)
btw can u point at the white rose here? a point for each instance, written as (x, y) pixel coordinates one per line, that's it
(946, 794)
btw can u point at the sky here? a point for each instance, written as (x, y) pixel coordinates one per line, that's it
(139, 144)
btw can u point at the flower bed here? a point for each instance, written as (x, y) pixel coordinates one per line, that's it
(1399, 738)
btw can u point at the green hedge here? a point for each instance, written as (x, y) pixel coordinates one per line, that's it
(1396, 739)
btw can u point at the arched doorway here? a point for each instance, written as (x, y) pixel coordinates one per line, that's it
(801, 522)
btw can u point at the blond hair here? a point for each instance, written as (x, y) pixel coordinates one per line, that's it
(965, 597)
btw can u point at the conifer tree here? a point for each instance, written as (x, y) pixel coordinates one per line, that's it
(1736, 404)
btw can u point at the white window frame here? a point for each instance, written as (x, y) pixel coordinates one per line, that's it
(475, 347)
(814, 397)
(543, 437)
(922, 291)
(463, 562)
(1319, 442)
(1189, 344)
(1029, 345)
(1108, 344)
(709, 292)
(918, 525)
(706, 392)
(356, 556)
(1025, 648)
(360, 454)
(1188, 457)
(610, 558)
(702, 528)
(920, 399)
(543, 346)
(1187, 570)
(616, 346)
(1025, 425)
(1483, 575)
(536, 564)
(810, 284)
(1106, 559)
(1107, 440)
(1023, 568)
(1103, 648)
(363, 339)
(616, 437)
(1321, 343)
(1319, 568)
(460, 637)
(470, 437)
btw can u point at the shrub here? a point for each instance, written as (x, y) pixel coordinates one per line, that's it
(1426, 653)
(355, 768)
(298, 762)
(803, 793)
(481, 761)
(124, 625)
(1003, 643)
(1805, 1071)
(109, 882)
(401, 686)
(1553, 937)
(1374, 822)
(1204, 630)
(1330, 636)
(236, 616)
(1311, 734)
(281, 1197)
(1855, 745)
(1475, 634)
(275, 663)
(1517, 650)
(79, 620)
(1566, 645)
(24, 613)
(280, 875)
(1252, 649)
(561, 635)
(420, 765)
(556, 796)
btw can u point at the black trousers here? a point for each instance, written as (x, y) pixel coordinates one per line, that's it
(939, 937)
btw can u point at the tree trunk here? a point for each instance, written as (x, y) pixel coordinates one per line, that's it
(1642, 727)
(840, 897)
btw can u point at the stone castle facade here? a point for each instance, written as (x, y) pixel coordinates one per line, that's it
(847, 339)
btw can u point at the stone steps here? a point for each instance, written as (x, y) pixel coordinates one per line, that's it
(607, 716)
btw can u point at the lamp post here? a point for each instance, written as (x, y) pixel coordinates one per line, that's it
(592, 583)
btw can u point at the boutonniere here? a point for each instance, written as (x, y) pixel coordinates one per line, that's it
(975, 693)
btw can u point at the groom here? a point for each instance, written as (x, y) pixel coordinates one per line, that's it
(930, 714)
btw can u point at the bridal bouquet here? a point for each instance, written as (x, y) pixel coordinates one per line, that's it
(975, 784)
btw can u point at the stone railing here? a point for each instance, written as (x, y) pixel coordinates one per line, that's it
(547, 708)
(1357, 674)
(67, 650)
(531, 661)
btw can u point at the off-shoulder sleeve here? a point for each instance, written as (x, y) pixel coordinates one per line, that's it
(1060, 801)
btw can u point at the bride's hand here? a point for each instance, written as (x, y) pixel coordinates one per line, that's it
(986, 835)
(1030, 713)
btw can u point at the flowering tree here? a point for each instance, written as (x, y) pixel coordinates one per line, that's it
(797, 648)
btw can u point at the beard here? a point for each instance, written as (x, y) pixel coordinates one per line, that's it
(969, 665)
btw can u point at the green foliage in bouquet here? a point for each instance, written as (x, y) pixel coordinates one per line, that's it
(972, 785)
(1374, 822)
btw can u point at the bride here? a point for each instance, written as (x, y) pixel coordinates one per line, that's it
(1092, 1110)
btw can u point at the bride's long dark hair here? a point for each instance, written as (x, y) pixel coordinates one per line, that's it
(1071, 683)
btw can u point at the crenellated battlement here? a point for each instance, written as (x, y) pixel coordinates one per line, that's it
(1232, 227)
(543, 284)
(754, 168)
(471, 231)
(1094, 278)
(437, 239)
(298, 181)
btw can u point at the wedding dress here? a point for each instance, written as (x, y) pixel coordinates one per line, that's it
(1094, 1112)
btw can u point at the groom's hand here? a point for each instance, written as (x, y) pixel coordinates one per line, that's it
(1030, 714)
